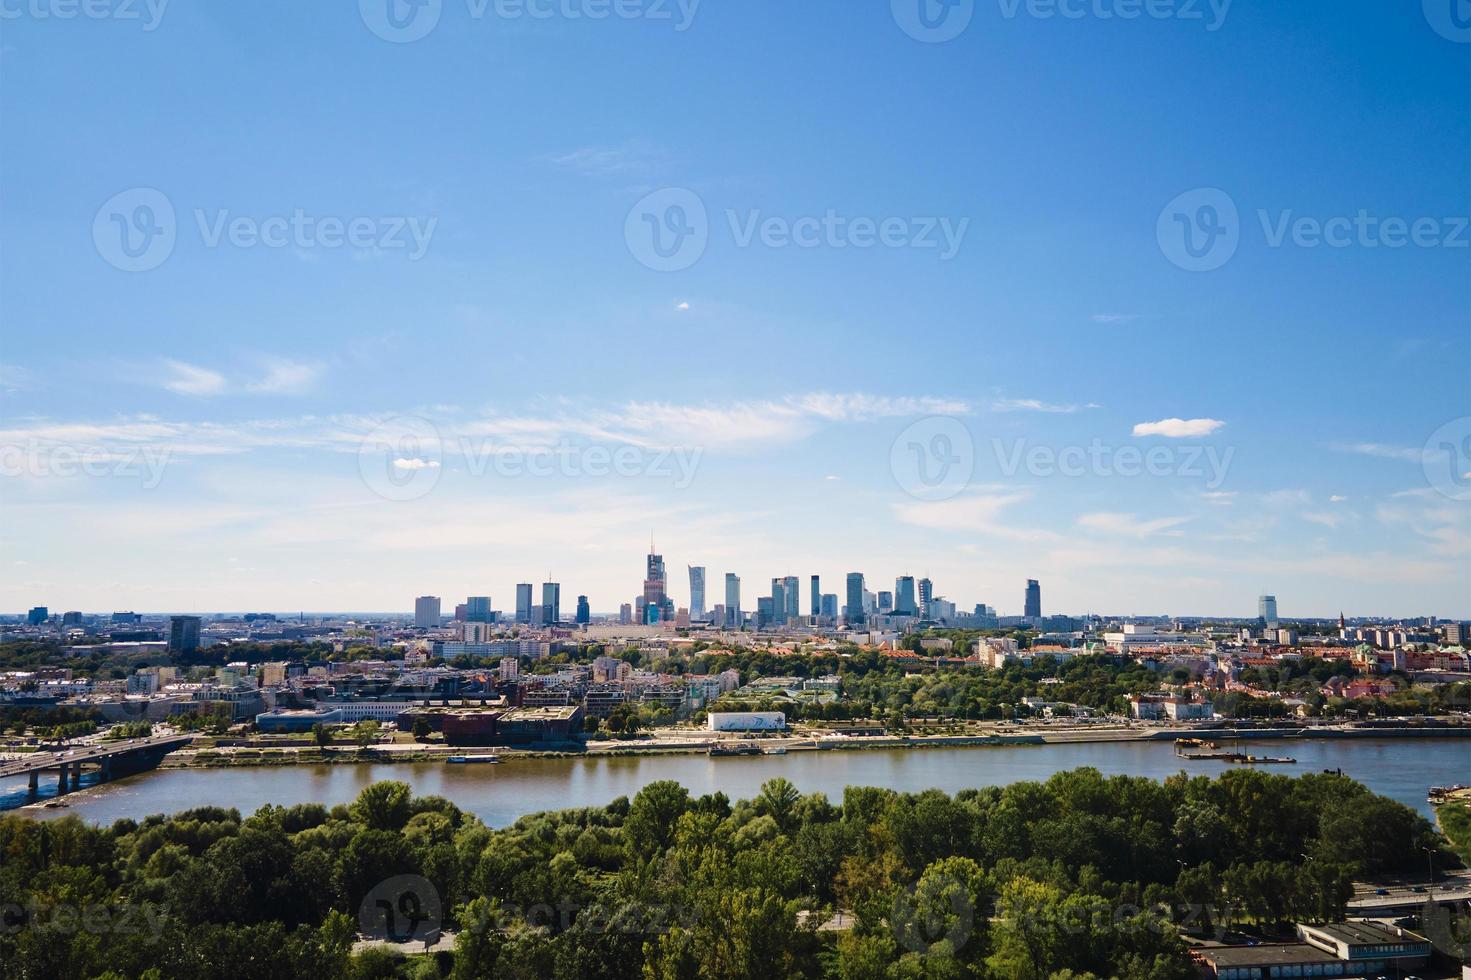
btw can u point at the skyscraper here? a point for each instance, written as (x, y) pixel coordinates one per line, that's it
(778, 611)
(791, 589)
(830, 606)
(551, 603)
(477, 609)
(584, 611)
(926, 593)
(1266, 610)
(183, 634)
(1032, 609)
(697, 592)
(426, 612)
(904, 602)
(816, 597)
(886, 602)
(855, 599)
(523, 602)
(657, 605)
(625, 614)
(732, 599)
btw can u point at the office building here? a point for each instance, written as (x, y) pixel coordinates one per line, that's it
(778, 611)
(765, 610)
(732, 599)
(625, 614)
(477, 609)
(37, 615)
(551, 603)
(816, 597)
(657, 606)
(1032, 608)
(926, 594)
(830, 606)
(904, 601)
(790, 590)
(854, 609)
(1266, 611)
(584, 611)
(886, 603)
(523, 602)
(426, 612)
(183, 634)
(697, 591)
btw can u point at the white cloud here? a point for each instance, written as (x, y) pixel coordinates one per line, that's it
(633, 158)
(415, 463)
(979, 512)
(1380, 450)
(283, 377)
(1221, 498)
(1128, 525)
(190, 379)
(1114, 317)
(683, 307)
(1033, 405)
(1337, 499)
(1173, 428)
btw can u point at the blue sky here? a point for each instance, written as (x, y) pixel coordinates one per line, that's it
(242, 408)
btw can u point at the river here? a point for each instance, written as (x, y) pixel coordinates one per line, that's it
(1402, 769)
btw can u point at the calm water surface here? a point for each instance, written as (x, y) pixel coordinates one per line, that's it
(1402, 769)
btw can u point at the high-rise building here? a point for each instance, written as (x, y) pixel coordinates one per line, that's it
(426, 612)
(37, 615)
(777, 614)
(1032, 608)
(765, 610)
(854, 611)
(460, 612)
(830, 606)
(816, 596)
(657, 604)
(551, 603)
(477, 609)
(183, 634)
(697, 591)
(732, 599)
(904, 601)
(1266, 610)
(523, 602)
(886, 603)
(71, 618)
(625, 614)
(926, 593)
(584, 611)
(791, 588)
(510, 669)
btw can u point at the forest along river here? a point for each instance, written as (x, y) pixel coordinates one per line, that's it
(1402, 769)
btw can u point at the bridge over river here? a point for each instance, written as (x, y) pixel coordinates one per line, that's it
(109, 760)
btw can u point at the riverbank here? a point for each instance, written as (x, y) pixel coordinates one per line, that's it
(700, 743)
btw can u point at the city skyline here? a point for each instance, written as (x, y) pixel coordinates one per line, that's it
(292, 426)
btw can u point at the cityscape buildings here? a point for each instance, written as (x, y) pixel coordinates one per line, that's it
(426, 611)
(697, 592)
(1032, 608)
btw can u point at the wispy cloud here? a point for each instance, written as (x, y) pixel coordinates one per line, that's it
(632, 158)
(1129, 525)
(285, 377)
(190, 379)
(980, 511)
(1035, 405)
(1114, 317)
(1173, 428)
(1380, 450)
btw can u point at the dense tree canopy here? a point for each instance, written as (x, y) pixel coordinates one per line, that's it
(1080, 873)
